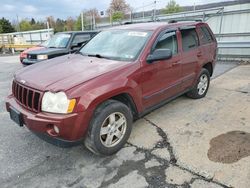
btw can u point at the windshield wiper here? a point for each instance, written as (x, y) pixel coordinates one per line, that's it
(93, 55)
(96, 55)
(55, 47)
(99, 56)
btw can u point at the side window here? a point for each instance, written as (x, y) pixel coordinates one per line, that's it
(80, 39)
(189, 39)
(206, 35)
(168, 41)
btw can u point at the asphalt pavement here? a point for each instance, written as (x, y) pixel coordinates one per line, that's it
(167, 148)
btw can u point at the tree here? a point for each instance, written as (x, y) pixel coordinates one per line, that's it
(172, 7)
(25, 25)
(118, 6)
(70, 24)
(92, 12)
(39, 25)
(5, 26)
(88, 15)
(59, 25)
(117, 9)
(32, 21)
(78, 23)
(51, 21)
(117, 16)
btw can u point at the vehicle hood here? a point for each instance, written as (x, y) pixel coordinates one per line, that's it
(33, 48)
(65, 72)
(48, 51)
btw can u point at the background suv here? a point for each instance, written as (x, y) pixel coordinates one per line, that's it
(59, 44)
(121, 74)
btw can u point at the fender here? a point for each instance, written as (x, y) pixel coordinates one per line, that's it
(92, 93)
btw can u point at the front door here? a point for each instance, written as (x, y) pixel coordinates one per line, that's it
(162, 79)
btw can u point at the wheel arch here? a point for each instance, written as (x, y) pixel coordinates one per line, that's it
(209, 67)
(127, 99)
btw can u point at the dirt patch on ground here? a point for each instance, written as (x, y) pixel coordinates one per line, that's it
(229, 147)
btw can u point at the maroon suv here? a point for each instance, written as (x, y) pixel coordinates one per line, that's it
(121, 74)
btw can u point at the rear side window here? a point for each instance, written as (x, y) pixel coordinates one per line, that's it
(168, 41)
(206, 36)
(80, 39)
(189, 39)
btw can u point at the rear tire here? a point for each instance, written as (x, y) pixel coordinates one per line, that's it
(201, 87)
(110, 128)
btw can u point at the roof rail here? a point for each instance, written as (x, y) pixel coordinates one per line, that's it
(183, 20)
(135, 22)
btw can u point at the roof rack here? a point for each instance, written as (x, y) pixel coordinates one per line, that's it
(183, 20)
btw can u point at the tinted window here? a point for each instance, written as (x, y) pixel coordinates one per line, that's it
(81, 38)
(189, 39)
(206, 37)
(168, 41)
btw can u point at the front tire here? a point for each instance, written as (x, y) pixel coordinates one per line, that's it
(201, 87)
(110, 128)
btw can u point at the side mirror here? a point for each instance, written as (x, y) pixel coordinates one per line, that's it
(159, 54)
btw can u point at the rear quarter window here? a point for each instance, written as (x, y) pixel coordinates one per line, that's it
(80, 38)
(206, 36)
(189, 39)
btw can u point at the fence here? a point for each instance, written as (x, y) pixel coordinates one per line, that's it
(22, 40)
(230, 25)
(27, 37)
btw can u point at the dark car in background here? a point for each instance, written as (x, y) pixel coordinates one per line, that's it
(59, 44)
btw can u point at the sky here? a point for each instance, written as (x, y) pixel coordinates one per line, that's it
(40, 9)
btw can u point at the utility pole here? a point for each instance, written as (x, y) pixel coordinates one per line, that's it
(110, 18)
(48, 29)
(143, 14)
(82, 21)
(93, 21)
(131, 16)
(18, 25)
(154, 14)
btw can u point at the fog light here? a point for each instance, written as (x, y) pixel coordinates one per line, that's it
(56, 129)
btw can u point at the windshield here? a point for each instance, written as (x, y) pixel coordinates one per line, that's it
(45, 43)
(121, 45)
(57, 41)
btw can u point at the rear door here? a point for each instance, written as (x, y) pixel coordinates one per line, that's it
(207, 43)
(191, 56)
(162, 79)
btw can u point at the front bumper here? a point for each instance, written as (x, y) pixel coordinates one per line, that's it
(58, 141)
(30, 61)
(71, 127)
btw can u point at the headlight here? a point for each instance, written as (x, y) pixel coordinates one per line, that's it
(41, 57)
(57, 103)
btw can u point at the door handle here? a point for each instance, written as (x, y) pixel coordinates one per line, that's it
(176, 63)
(199, 54)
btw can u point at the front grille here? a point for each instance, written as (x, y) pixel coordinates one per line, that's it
(30, 56)
(27, 97)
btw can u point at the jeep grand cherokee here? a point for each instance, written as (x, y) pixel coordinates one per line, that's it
(121, 74)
